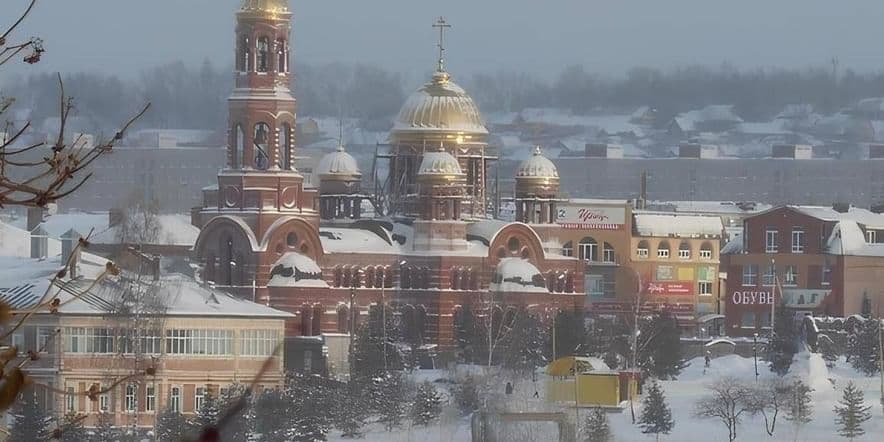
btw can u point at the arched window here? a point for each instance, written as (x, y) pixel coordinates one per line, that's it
(569, 282)
(663, 249)
(454, 276)
(281, 56)
(409, 324)
(404, 277)
(589, 249)
(343, 319)
(306, 323)
(317, 320)
(227, 264)
(608, 253)
(379, 276)
(642, 250)
(347, 272)
(551, 281)
(388, 277)
(337, 277)
(420, 322)
(513, 244)
(706, 250)
(369, 276)
(474, 280)
(244, 61)
(568, 249)
(285, 147)
(684, 250)
(425, 278)
(262, 143)
(560, 282)
(263, 54)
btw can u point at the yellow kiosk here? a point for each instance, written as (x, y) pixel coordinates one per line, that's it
(594, 386)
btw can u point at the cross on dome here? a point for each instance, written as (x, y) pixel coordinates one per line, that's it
(442, 25)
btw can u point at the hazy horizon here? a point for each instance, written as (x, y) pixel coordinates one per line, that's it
(607, 37)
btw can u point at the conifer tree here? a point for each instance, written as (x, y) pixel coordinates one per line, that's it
(656, 417)
(272, 411)
(29, 422)
(104, 428)
(352, 411)
(207, 415)
(466, 395)
(851, 412)
(238, 428)
(171, 426)
(596, 428)
(799, 408)
(312, 403)
(524, 345)
(427, 405)
(828, 350)
(863, 348)
(784, 344)
(389, 400)
(659, 347)
(71, 428)
(570, 334)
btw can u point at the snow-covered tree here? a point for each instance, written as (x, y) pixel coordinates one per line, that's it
(312, 402)
(389, 399)
(139, 221)
(466, 395)
(524, 345)
(207, 415)
(237, 426)
(784, 343)
(271, 412)
(595, 427)
(71, 428)
(828, 349)
(659, 347)
(427, 404)
(352, 410)
(171, 426)
(729, 401)
(569, 334)
(768, 399)
(863, 348)
(656, 417)
(104, 428)
(29, 422)
(851, 412)
(799, 406)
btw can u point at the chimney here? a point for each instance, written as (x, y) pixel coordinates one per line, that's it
(39, 243)
(791, 151)
(603, 150)
(69, 252)
(697, 151)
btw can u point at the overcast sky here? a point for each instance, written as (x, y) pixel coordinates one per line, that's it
(538, 36)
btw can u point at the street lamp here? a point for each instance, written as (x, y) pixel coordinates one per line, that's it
(755, 353)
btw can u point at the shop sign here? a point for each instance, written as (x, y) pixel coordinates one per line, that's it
(752, 297)
(670, 288)
(591, 217)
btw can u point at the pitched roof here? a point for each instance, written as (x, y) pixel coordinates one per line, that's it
(661, 224)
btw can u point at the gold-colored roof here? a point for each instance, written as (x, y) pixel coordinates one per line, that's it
(440, 106)
(338, 163)
(440, 163)
(538, 166)
(265, 5)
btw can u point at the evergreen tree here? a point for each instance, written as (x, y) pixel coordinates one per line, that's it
(272, 411)
(427, 405)
(29, 422)
(784, 344)
(208, 413)
(524, 345)
(312, 400)
(611, 360)
(595, 428)
(863, 348)
(352, 410)
(238, 427)
(471, 340)
(851, 412)
(799, 408)
(569, 334)
(368, 347)
(466, 395)
(659, 347)
(71, 428)
(104, 428)
(171, 426)
(388, 397)
(656, 417)
(828, 350)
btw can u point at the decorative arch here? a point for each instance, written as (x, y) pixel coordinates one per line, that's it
(229, 242)
(262, 50)
(316, 326)
(261, 140)
(244, 59)
(306, 322)
(237, 144)
(285, 146)
(663, 249)
(343, 313)
(588, 249)
(306, 233)
(526, 237)
(282, 55)
(684, 249)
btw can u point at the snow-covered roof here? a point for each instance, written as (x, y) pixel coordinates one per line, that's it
(848, 239)
(175, 229)
(296, 270)
(518, 275)
(339, 162)
(714, 112)
(485, 230)
(734, 246)
(683, 226)
(538, 166)
(439, 163)
(24, 281)
(352, 240)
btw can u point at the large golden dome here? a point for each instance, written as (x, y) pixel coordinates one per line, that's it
(265, 5)
(440, 163)
(537, 166)
(439, 107)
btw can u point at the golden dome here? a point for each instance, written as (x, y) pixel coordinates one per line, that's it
(265, 5)
(538, 166)
(338, 164)
(439, 163)
(440, 106)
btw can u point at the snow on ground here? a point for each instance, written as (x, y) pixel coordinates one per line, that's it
(681, 396)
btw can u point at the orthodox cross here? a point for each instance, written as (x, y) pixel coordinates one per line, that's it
(442, 25)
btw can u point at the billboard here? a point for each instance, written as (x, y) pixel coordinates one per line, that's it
(680, 288)
(591, 217)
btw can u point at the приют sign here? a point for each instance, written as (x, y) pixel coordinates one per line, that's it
(591, 217)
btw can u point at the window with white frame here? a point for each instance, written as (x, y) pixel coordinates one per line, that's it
(747, 320)
(568, 249)
(44, 337)
(684, 250)
(258, 342)
(150, 398)
(70, 399)
(704, 288)
(642, 250)
(150, 341)
(199, 398)
(871, 236)
(706, 251)
(797, 240)
(199, 342)
(770, 275)
(589, 249)
(771, 241)
(131, 400)
(18, 341)
(750, 275)
(663, 250)
(104, 403)
(608, 253)
(175, 399)
(791, 276)
(827, 274)
(88, 340)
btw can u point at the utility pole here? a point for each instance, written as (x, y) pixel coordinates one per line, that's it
(384, 314)
(350, 328)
